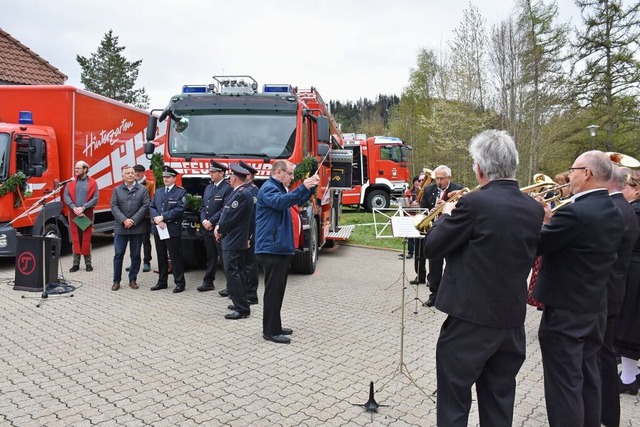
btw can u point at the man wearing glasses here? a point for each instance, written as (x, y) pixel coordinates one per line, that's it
(578, 244)
(274, 241)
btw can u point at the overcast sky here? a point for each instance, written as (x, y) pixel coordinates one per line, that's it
(346, 49)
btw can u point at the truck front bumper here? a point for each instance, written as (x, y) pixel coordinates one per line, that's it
(8, 239)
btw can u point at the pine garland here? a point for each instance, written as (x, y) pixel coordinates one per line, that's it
(156, 166)
(13, 184)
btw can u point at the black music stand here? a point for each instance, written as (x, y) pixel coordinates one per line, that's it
(402, 226)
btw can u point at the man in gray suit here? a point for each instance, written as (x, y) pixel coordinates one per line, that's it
(489, 240)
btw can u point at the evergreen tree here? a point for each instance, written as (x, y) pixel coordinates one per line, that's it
(606, 55)
(107, 72)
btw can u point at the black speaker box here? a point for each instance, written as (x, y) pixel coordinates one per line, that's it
(32, 252)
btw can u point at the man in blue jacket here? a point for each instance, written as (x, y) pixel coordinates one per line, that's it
(274, 241)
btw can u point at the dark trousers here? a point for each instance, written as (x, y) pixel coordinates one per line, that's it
(236, 279)
(276, 269)
(420, 262)
(467, 353)
(213, 251)
(146, 242)
(610, 409)
(411, 245)
(251, 272)
(172, 245)
(120, 242)
(569, 342)
(435, 274)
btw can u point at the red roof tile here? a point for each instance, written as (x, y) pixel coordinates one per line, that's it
(20, 65)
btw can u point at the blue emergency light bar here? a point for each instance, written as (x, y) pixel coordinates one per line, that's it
(277, 89)
(194, 89)
(25, 118)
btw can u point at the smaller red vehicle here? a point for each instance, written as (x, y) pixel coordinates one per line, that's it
(380, 170)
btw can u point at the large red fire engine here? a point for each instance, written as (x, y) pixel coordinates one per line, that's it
(380, 170)
(44, 131)
(230, 121)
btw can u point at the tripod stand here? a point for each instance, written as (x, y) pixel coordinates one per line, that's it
(403, 227)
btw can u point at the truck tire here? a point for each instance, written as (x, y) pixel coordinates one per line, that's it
(65, 245)
(305, 262)
(193, 253)
(377, 199)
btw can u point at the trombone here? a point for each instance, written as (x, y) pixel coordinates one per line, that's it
(424, 222)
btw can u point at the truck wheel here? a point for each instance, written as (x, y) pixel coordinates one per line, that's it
(193, 253)
(52, 227)
(377, 199)
(305, 262)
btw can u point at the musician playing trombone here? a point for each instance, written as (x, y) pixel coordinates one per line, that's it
(489, 239)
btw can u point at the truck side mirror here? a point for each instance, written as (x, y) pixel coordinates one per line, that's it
(36, 156)
(152, 128)
(323, 149)
(323, 129)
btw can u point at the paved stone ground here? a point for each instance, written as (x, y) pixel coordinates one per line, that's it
(137, 358)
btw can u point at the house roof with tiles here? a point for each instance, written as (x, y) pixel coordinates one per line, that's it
(20, 65)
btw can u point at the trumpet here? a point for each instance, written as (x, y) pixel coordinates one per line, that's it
(424, 222)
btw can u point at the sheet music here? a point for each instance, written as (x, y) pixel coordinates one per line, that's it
(402, 226)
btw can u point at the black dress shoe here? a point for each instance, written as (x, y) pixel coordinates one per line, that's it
(280, 339)
(235, 315)
(89, 268)
(127, 269)
(287, 331)
(224, 292)
(430, 302)
(178, 289)
(416, 282)
(631, 388)
(252, 301)
(74, 269)
(231, 307)
(158, 287)
(409, 256)
(205, 287)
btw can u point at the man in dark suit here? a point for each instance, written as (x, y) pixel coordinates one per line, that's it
(579, 245)
(166, 213)
(233, 232)
(434, 196)
(214, 198)
(489, 240)
(616, 288)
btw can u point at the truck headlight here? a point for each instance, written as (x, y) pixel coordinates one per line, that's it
(3, 241)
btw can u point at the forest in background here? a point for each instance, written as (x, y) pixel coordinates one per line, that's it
(531, 75)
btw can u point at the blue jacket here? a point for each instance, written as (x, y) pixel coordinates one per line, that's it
(274, 229)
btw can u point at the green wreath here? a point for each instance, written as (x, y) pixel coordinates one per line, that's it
(15, 182)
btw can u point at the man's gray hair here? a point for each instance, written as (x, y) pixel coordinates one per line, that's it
(443, 168)
(618, 177)
(494, 151)
(599, 164)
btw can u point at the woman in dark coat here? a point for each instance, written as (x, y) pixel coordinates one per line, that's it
(627, 335)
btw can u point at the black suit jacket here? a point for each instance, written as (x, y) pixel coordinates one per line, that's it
(171, 206)
(617, 284)
(489, 242)
(430, 194)
(213, 200)
(579, 247)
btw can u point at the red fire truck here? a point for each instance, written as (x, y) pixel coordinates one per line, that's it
(44, 131)
(380, 170)
(230, 121)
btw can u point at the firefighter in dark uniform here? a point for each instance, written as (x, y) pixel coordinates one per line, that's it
(250, 261)
(166, 213)
(233, 232)
(215, 197)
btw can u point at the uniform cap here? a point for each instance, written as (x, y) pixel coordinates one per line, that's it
(218, 167)
(139, 168)
(238, 170)
(168, 171)
(248, 167)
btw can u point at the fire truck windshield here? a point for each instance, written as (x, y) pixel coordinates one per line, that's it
(5, 151)
(210, 134)
(393, 153)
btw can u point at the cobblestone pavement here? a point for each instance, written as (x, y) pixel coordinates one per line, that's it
(137, 358)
